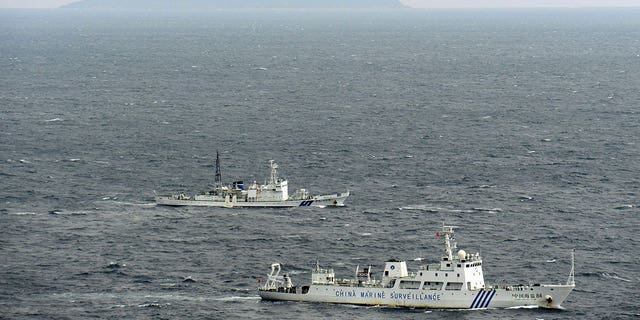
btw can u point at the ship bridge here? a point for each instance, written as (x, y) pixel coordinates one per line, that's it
(460, 271)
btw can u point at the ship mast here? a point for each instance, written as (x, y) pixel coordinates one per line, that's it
(572, 278)
(274, 172)
(218, 179)
(449, 242)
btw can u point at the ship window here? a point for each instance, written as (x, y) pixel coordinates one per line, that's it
(432, 286)
(458, 275)
(446, 274)
(386, 273)
(409, 284)
(391, 283)
(448, 265)
(459, 265)
(436, 274)
(453, 286)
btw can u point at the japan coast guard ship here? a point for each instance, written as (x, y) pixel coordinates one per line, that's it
(274, 194)
(456, 282)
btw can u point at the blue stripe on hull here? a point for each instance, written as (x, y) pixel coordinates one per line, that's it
(483, 299)
(477, 299)
(486, 297)
(490, 298)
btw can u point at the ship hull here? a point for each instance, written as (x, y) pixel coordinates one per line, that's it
(542, 296)
(336, 200)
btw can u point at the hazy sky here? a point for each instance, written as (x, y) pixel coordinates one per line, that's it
(413, 3)
(33, 3)
(519, 3)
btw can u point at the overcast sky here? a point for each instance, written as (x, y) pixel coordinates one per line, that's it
(413, 3)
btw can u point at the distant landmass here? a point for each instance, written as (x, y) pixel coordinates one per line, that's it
(233, 4)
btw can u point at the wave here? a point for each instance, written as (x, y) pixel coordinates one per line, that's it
(115, 265)
(22, 213)
(490, 210)
(524, 307)
(614, 276)
(375, 211)
(426, 208)
(154, 305)
(237, 298)
(124, 203)
(62, 212)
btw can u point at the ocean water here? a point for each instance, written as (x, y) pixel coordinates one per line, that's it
(521, 127)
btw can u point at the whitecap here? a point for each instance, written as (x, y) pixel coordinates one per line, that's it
(153, 305)
(490, 210)
(524, 307)
(124, 203)
(23, 213)
(69, 213)
(53, 120)
(238, 298)
(421, 208)
(614, 276)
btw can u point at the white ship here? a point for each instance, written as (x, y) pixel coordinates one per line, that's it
(456, 282)
(274, 194)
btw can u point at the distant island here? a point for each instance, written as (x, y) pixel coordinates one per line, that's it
(233, 4)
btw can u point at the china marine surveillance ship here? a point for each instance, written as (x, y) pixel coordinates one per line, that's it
(273, 194)
(456, 282)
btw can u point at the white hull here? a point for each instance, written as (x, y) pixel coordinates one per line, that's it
(335, 200)
(274, 194)
(457, 282)
(523, 296)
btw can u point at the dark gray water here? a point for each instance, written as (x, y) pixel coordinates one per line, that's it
(521, 127)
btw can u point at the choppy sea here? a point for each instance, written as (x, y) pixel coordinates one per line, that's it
(519, 126)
